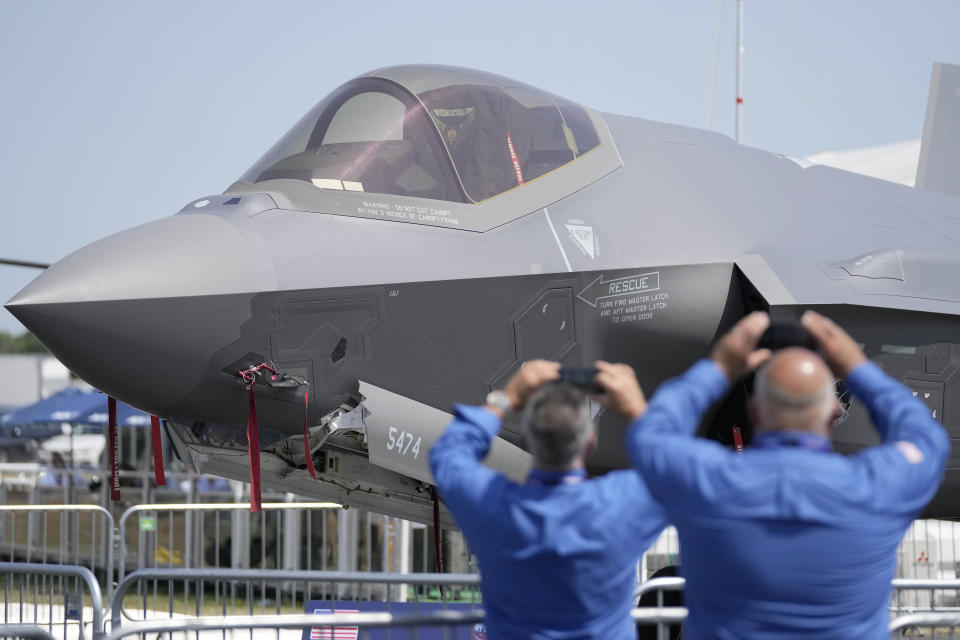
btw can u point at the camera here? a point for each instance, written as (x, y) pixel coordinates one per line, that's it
(582, 378)
(786, 333)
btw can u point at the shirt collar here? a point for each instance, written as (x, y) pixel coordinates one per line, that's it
(799, 439)
(544, 478)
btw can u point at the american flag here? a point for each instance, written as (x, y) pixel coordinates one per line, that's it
(334, 633)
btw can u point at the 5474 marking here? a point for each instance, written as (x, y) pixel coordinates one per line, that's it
(403, 442)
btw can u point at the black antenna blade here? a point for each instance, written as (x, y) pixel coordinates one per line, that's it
(24, 263)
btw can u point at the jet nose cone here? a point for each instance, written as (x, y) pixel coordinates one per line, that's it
(138, 313)
(184, 255)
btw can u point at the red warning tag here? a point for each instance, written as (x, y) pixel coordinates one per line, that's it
(253, 448)
(306, 435)
(157, 452)
(738, 439)
(114, 449)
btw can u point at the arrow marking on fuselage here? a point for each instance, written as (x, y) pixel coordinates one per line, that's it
(622, 286)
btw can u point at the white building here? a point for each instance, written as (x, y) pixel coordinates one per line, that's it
(29, 377)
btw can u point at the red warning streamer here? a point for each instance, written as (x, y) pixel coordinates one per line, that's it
(306, 435)
(114, 449)
(157, 452)
(738, 439)
(249, 376)
(438, 535)
(253, 447)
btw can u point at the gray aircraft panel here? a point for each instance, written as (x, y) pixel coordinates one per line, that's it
(342, 251)
(401, 432)
(757, 270)
(749, 201)
(158, 259)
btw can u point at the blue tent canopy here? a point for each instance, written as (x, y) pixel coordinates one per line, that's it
(78, 406)
(127, 416)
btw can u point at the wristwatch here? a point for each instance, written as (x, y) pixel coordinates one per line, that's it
(499, 400)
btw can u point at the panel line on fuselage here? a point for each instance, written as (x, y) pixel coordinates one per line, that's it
(563, 253)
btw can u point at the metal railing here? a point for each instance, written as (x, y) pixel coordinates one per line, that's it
(72, 534)
(445, 617)
(659, 584)
(61, 533)
(929, 619)
(943, 596)
(32, 571)
(295, 538)
(659, 615)
(273, 622)
(361, 620)
(185, 540)
(223, 581)
(24, 631)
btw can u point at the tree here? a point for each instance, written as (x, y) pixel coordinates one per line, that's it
(23, 343)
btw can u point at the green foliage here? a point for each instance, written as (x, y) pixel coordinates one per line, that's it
(24, 343)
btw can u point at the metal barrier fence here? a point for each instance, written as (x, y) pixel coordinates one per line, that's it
(659, 585)
(293, 536)
(36, 586)
(937, 608)
(24, 631)
(353, 540)
(58, 534)
(344, 623)
(284, 535)
(929, 620)
(26, 619)
(219, 534)
(659, 614)
(941, 595)
(225, 591)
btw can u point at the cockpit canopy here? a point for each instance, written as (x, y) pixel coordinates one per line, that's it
(430, 132)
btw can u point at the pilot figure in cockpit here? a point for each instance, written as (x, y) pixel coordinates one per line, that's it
(487, 133)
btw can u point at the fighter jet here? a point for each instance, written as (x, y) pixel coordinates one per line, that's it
(424, 230)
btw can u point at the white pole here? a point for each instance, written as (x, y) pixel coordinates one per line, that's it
(721, 4)
(405, 555)
(739, 127)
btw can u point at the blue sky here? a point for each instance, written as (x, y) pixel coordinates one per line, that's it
(114, 113)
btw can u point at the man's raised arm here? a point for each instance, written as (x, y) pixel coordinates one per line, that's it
(455, 458)
(675, 465)
(908, 467)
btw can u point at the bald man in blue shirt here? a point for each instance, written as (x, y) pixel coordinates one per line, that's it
(788, 539)
(558, 552)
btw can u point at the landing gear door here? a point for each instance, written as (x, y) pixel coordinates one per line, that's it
(401, 431)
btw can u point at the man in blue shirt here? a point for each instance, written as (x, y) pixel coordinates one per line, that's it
(558, 553)
(788, 539)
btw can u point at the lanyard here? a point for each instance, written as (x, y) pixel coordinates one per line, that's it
(799, 439)
(543, 478)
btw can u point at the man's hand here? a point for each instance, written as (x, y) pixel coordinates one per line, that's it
(840, 351)
(531, 376)
(736, 353)
(622, 393)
